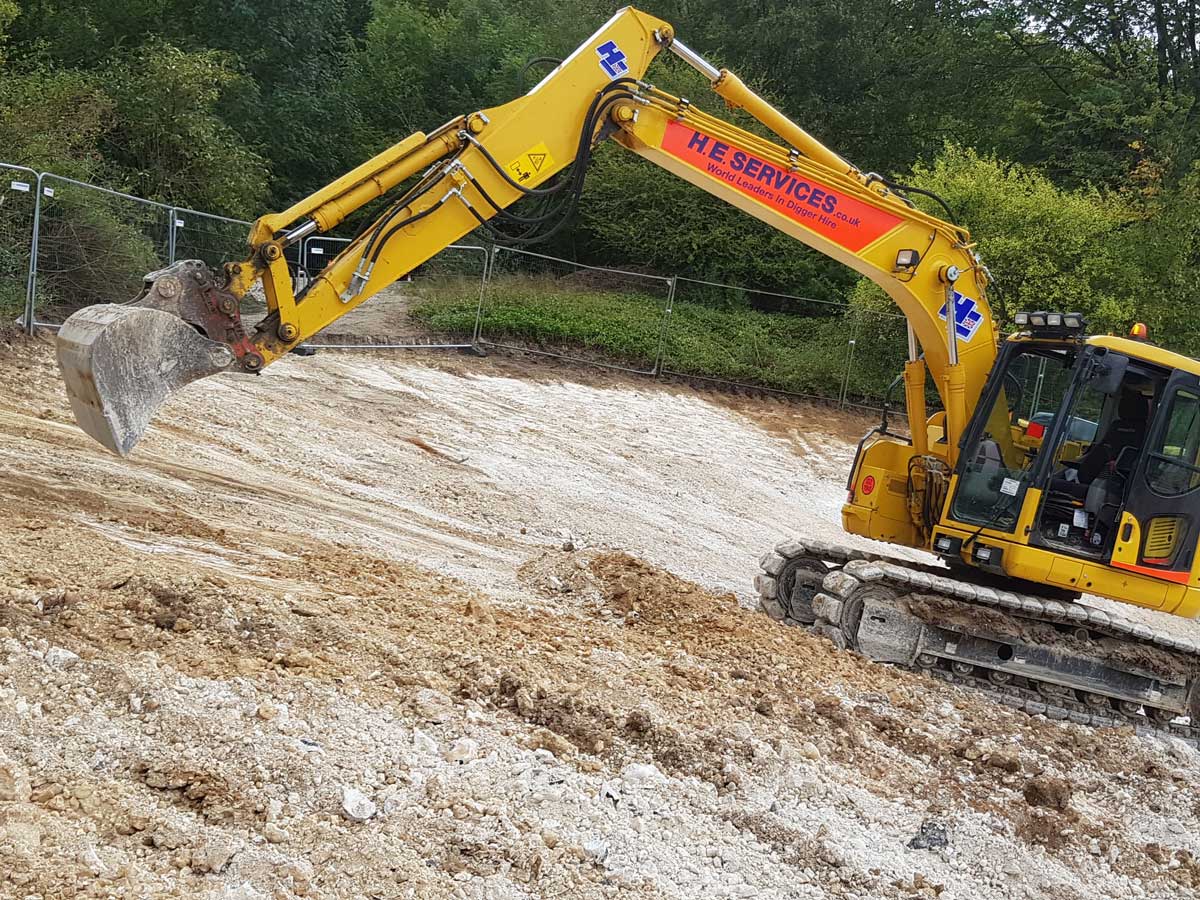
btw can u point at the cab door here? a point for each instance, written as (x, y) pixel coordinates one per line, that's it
(1161, 521)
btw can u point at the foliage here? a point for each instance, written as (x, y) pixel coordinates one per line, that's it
(52, 120)
(93, 250)
(1166, 244)
(1065, 132)
(807, 355)
(165, 134)
(1046, 247)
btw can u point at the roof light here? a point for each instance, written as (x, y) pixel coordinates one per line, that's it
(1051, 324)
(1139, 332)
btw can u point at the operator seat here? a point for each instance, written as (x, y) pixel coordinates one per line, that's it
(1126, 432)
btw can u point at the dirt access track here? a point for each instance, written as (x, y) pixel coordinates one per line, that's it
(385, 626)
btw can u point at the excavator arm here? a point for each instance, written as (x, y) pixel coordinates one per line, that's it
(120, 362)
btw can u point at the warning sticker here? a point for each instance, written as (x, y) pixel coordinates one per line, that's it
(530, 165)
(834, 215)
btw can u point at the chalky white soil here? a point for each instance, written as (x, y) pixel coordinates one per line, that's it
(437, 626)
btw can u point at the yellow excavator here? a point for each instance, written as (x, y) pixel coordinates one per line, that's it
(1059, 464)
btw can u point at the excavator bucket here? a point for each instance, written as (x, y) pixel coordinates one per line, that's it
(120, 363)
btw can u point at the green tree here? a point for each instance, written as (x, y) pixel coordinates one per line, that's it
(1046, 247)
(166, 138)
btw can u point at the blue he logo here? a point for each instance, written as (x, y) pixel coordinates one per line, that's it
(612, 60)
(967, 317)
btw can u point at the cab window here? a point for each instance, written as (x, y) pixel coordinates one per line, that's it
(1174, 468)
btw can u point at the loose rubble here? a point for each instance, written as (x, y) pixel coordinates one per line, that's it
(220, 679)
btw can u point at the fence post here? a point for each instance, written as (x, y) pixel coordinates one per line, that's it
(171, 220)
(656, 369)
(489, 265)
(849, 364)
(31, 281)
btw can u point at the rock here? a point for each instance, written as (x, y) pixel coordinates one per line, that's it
(356, 806)
(423, 743)
(930, 836)
(463, 751)
(244, 891)
(639, 773)
(433, 706)
(14, 781)
(1052, 793)
(213, 856)
(479, 609)
(61, 658)
(277, 835)
(545, 739)
(550, 838)
(267, 711)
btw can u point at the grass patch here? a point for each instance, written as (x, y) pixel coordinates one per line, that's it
(806, 354)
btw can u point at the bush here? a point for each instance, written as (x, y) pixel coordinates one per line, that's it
(94, 249)
(1047, 248)
(803, 354)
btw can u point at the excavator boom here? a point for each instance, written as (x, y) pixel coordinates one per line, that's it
(536, 147)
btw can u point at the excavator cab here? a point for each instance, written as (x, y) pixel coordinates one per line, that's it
(1081, 463)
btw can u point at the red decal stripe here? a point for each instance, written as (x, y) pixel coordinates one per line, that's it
(1178, 577)
(845, 220)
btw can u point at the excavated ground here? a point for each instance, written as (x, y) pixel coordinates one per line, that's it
(399, 626)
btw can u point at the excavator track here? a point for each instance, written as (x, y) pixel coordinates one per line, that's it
(1063, 660)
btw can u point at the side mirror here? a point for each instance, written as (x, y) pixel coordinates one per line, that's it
(1109, 372)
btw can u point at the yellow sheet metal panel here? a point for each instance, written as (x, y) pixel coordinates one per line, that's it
(1150, 353)
(1066, 572)
(1126, 549)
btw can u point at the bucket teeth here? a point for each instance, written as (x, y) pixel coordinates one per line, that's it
(120, 363)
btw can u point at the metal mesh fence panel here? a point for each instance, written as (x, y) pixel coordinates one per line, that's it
(764, 339)
(214, 239)
(93, 246)
(320, 251)
(558, 308)
(436, 305)
(877, 349)
(18, 186)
